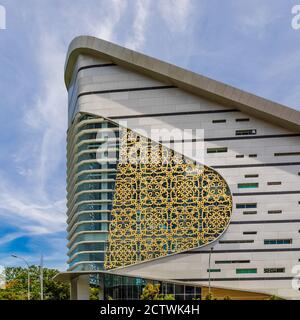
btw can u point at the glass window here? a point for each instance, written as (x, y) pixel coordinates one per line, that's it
(282, 154)
(87, 156)
(243, 271)
(219, 121)
(274, 183)
(91, 237)
(245, 132)
(94, 216)
(242, 120)
(246, 205)
(216, 150)
(89, 266)
(278, 241)
(236, 241)
(214, 270)
(249, 212)
(274, 211)
(90, 196)
(89, 206)
(274, 270)
(248, 185)
(231, 261)
(179, 289)
(95, 186)
(251, 175)
(97, 246)
(99, 256)
(92, 226)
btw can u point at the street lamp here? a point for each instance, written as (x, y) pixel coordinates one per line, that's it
(28, 279)
(209, 257)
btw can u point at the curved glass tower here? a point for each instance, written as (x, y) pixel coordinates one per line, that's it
(90, 184)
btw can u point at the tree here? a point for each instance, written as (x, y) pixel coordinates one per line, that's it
(16, 284)
(274, 298)
(209, 296)
(94, 293)
(152, 292)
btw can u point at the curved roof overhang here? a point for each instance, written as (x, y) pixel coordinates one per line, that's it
(186, 80)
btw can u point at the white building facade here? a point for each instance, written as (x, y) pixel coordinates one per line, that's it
(254, 144)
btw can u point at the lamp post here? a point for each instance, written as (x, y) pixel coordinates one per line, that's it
(28, 277)
(209, 258)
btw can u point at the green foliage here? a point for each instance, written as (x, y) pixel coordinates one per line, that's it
(166, 297)
(275, 298)
(16, 285)
(152, 292)
(9, 295)
(209, 296)
(94, 293)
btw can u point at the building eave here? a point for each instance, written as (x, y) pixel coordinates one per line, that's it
(186, 80)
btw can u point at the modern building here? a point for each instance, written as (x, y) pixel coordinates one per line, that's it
(177, 178)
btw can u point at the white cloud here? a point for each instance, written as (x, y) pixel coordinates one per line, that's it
(32, 207)
(105, 27)
(43, 151)
(10, 237)
(137, 39)
(255, 16)
(29, 215)
(176, 14)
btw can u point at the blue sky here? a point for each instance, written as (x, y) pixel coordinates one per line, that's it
(246, 43)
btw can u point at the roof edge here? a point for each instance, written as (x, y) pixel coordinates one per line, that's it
(186, 80)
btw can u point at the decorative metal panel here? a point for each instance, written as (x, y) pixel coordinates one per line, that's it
(164, 203)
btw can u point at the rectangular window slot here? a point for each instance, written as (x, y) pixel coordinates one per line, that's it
(246, 205)
(274, 211)
(283, 154)
(249, 212)
(278, 241)
(214, 270)
(216, 150)
(251, 175)
(247, 185)
(252, 155)
(242, 120)
(249, 232)
(231, 261)
(242, 271)
(239, 156)
(274, 270)
(219, 121)
(274, 183)
(235, 241)
(246, 132)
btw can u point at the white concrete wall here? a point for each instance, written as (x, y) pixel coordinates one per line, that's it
(194, 266)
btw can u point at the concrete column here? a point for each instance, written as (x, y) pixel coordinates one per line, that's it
(101, 287)
(80, 288)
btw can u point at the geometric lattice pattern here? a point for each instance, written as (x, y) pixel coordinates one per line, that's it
(163, 203)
